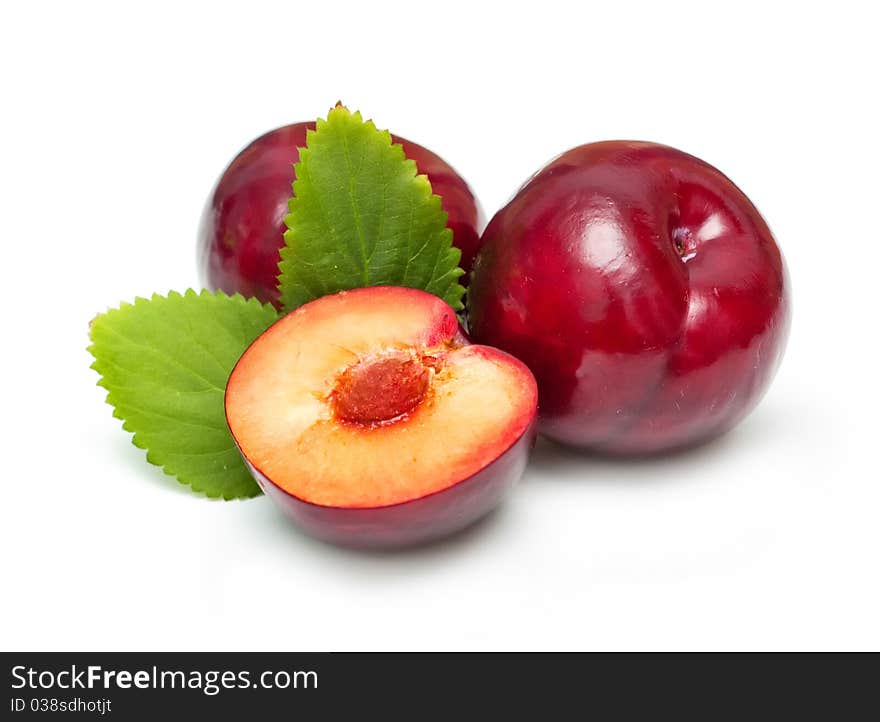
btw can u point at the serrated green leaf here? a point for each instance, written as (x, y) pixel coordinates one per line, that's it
(165, 363)
(361, 216)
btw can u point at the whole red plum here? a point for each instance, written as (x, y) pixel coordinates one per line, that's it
(642, 288)
(242, 226)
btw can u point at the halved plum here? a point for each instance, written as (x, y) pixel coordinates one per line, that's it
(372, 421)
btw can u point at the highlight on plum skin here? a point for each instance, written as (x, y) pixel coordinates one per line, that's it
(372, 421)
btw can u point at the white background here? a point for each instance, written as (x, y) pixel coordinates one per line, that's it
(116, 121)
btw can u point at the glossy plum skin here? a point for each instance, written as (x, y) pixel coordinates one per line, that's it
(242, 225)
(644, 291)
(413, 522)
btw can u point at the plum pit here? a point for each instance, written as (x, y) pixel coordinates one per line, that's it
(381, 388)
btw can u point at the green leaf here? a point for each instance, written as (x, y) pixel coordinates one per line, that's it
(165, 363)
(361, 216)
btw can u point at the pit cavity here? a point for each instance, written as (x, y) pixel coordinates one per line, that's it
(381, 388)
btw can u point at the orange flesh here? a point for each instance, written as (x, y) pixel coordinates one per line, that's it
(299, 405)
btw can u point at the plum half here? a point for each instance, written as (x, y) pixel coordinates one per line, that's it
(372, 421)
